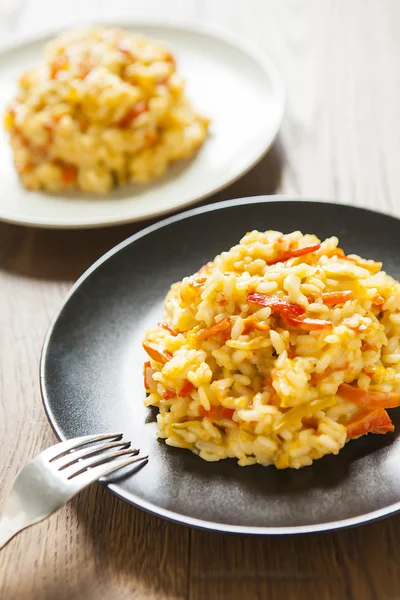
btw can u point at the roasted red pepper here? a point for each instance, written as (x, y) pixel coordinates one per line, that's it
(369, 398)
(378, 300)
(137, 110)
(69, 173)
(145, 367)
(309, 324)
(124, 47)
(291, 312)
(216, 413)
(197, 283)
(214, 329)
(283, 307)
(60, 63)
(186, 389)
(295, 253)
(168, 327)
(337, 297)
(374, 420)
(162, 356)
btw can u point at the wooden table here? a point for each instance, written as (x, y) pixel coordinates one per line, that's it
(340, 139)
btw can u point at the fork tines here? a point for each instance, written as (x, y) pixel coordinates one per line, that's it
(93, 452)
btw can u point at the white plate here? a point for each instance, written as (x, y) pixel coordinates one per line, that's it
(237, 86)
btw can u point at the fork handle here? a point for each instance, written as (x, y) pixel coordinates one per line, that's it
(14, 518)
(8, 528)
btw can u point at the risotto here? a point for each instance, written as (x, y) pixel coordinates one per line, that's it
(105, 107)
(278, 352)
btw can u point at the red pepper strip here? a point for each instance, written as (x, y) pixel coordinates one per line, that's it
(23, 167)
(168, 327)
(309, 324)
(137, 110)
(214, 329)
(85, 70)
(124, 47)
(61, 63)
(378, 300)
(52, 122)
(366, 346)
(186, 389)
(369, 399)
(295, 253)
(168, 394)
(162, 356)
(337, 297)
(316, 377)
(369, 421)
(69, 173)
(145, 367)
(196, 283)
(168, 57)
(216, 412)
(283, 307)
(162, 80)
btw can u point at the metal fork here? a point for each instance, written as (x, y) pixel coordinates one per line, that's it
(57, 474)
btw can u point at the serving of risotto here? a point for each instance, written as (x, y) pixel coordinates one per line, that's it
(279, 351)
(105, 107)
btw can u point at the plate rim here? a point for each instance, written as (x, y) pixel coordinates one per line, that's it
(153, 508)
(230, 38)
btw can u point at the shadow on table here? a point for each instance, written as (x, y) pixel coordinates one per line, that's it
(122, 552)
(65, 254)
(133, 550)
(35, 588)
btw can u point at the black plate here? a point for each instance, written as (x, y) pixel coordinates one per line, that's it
(91, 377)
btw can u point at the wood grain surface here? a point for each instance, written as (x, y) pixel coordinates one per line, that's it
(340, 139)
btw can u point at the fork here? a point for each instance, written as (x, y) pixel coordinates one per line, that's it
(52, 478)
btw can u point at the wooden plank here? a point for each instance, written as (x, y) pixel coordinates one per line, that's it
(339, 60)
(357, 563)
(98, 544)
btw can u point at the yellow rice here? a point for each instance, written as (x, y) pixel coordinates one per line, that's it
(105, 107)
(271, 396)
